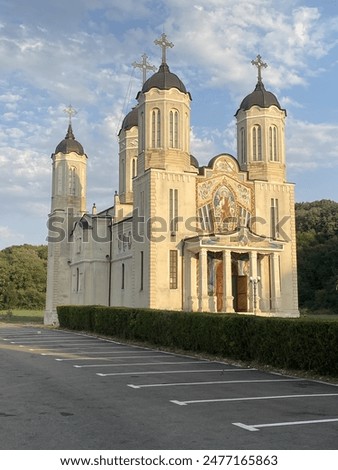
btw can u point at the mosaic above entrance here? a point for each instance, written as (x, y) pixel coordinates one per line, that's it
(224, 202)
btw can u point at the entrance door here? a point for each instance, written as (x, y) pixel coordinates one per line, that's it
(242, 294)
(239, 290)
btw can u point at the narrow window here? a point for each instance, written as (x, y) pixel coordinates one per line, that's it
(257, 143)
(156, 128)
(242, 146)
(71, 181)
(206, 218)
(123, 173)
(141, 220)
(134, 167)
(77, 279)
(173, 209)
(273, 143)
(141, 132)
(141, 271)
(122, 275)
(274, 218)
(173, 269)
(173, 128)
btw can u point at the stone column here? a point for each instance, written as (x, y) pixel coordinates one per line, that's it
(203, 281)
(228, 299)
(254, 283)
(275, 282)
(190, 282)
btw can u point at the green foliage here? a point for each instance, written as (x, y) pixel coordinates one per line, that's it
(23, 277)
(22, 316)
(23, 269)
(317, 250)
(308, 345)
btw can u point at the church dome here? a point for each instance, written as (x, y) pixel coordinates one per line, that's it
(69, 144)
(163, 79)
(194, 161)
(130, 120)
(259, 97)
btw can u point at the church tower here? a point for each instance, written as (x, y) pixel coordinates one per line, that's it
(68, 204)
(164, 119)
(260, 133)
(128, 150)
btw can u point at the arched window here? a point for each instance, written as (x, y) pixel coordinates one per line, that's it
(156, 128)
(242, 151)
(173, 128)
(72, 181)
(257, 143)
(273, 144)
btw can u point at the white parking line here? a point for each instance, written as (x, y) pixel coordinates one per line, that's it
(101, 358)
(136, 364)
(172, 372)
(256, 427)
(178, 384)
(61, 341)
(191, 402)
(99, 348)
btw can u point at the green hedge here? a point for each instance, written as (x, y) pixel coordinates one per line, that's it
(283, 343)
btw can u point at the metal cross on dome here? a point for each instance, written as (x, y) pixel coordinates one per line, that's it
(164, 44)
(144, 65)
(71, 112)
(259, 64)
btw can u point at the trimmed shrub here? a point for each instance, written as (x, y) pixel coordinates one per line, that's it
(308, 345)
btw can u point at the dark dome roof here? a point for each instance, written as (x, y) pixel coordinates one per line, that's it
(130, 120)
(194, 161)
(163, 79)
(69, 144)
(259, 97)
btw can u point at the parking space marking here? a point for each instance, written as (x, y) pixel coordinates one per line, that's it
(178, 384)
(135, 364)
(257, 427)
(61, 341)
(191, 371)
(274, 397)
(99, 348)
(105, 358)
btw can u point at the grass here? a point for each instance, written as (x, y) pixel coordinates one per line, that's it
(22, 316)
(319, 316)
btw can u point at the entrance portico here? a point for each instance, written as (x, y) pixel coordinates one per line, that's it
(232, 273)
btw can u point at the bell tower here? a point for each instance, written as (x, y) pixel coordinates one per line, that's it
(164, 119)
(261, 133)
(69, 163)
(68, 204)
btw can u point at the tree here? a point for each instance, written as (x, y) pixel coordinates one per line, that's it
(23, 272)
(317, 250)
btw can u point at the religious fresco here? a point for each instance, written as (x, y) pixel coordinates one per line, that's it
(224, 201)
(225, 214)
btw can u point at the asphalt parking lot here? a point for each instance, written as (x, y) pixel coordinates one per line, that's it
(63, 390)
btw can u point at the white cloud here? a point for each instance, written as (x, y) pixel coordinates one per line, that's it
(80, 53)
(9, 235)
(311, 145)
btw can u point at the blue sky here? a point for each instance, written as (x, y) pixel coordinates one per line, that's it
(80, 52)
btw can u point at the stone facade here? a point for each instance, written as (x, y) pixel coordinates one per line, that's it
(217, 238)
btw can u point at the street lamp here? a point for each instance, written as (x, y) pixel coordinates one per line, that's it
(254, 281)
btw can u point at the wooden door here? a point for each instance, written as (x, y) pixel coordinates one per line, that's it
(242, 294)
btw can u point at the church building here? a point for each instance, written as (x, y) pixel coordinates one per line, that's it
(179, 236)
